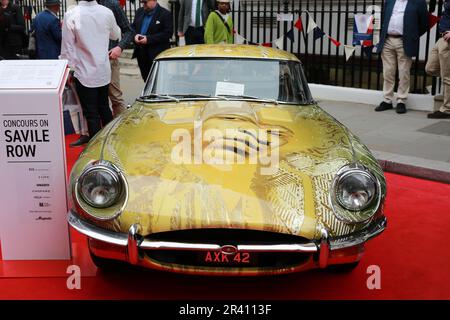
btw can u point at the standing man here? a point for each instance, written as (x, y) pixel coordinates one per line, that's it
(14, 29)
(115, 51)
(219, 26)
(191, 19)
(438, 64)
(404, 22)
(4, 24)
(48, 32)
(86, 32)
(154, 27)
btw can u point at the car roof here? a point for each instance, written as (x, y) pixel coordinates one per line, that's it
(227, 51)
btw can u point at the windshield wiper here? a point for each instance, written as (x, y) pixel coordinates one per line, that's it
(249, 97)
(156, 95)
(195, 95)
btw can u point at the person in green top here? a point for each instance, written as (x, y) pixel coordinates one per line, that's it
(219, 26)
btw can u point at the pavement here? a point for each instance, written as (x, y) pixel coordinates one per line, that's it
(408, 144)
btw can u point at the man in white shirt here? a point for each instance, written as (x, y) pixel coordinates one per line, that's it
(404, 22)
(87, 29)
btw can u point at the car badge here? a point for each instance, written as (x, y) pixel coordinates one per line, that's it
(229, 249)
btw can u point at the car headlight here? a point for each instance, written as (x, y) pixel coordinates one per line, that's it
(355, 194)
(356, 190)
(99, 187)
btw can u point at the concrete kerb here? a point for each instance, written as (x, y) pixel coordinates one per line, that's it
(414, 171)
(420, 102)
(414, 167)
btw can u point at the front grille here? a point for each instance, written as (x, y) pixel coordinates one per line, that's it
(228, 237)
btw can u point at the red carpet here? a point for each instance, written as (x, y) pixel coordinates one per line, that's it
(412, 254)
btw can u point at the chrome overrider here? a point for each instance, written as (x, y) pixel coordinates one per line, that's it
(133, 242)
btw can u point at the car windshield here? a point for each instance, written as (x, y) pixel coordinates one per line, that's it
(274, 80)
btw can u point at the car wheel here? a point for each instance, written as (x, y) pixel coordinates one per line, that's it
(343, 268)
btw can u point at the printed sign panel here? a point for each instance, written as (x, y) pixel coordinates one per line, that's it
(33, 222)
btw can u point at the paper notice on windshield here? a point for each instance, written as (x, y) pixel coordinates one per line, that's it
(229, 88)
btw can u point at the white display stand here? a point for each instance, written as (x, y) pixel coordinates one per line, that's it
(33, 194)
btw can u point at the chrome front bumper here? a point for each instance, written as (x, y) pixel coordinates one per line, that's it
(133, 242)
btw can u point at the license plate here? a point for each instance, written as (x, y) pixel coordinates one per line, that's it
(220, 258)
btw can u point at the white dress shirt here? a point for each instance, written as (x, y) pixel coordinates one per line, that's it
(396, 23)
(194, 11)
(87, 29)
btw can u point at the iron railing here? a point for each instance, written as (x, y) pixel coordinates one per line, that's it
(325, 63)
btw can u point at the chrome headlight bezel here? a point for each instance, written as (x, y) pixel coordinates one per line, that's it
(354, 216)
(113, 208)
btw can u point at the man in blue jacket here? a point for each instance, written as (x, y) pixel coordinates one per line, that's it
(404, 22)
(47, 28)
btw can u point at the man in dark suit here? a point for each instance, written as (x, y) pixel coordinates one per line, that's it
(48, 32)
(404, 22)
(154, 28)
(14, 32)
(192, 18)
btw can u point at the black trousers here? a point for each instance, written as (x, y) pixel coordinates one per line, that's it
(145, 64)
(10, 52)
(195, 35)
(95, 105)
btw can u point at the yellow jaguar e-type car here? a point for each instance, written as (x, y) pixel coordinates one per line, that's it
(225, 165)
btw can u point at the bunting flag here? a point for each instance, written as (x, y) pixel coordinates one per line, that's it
(311, 24)
(290, 35)
(298, 24)
(432, 20)
(33, 12)
(348, 51)
(279, 42)
(363, 30)
(363, 35)
(370, 29)
(335, 42)
(318, 33)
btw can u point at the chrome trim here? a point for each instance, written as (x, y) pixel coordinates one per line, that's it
(346, 170)
(94, 232)
(133, 244)
(306, 247)
(102, 164)
(165, 245)
(324, 249)
(373, 230)
(133, 241)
